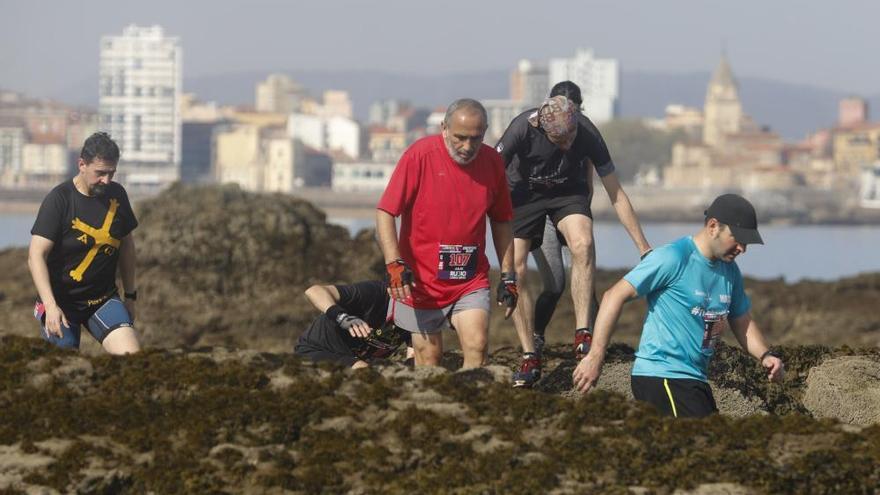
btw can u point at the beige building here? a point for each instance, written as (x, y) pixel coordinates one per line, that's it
(193, 110)
(688, 119)
(279, 94)
(44, 164)
(386, 145)
(259, 159)
(282, 155)
(855, 148)
(337, 104)
(12, 140)
(722, 111)
(40, 140)
(236, 156)
(852, 111)
(734, 153)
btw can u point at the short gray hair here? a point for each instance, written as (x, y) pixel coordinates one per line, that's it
(466, 104)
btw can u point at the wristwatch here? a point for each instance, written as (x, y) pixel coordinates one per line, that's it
(769, 353)
(131, 296)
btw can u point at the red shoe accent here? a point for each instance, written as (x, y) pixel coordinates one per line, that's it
(583, 339)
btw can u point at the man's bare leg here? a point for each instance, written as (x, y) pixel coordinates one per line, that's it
(578, 232)
(524, 315)
(428, 348)
(591, 271)
(123, 340)
(472, 326)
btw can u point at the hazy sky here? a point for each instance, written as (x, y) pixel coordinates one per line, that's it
(49, 45)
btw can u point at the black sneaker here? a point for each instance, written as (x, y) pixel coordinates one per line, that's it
(529, 372)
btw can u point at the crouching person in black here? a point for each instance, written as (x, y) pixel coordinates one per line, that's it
(357, 325)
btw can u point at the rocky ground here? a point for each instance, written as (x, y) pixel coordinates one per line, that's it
(219, 405)
(217, 420)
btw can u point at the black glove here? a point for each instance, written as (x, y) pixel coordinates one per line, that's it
(346, 321)
(507, 292)
(341, 318)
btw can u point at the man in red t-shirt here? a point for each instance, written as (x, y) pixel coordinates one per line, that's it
(443, 188)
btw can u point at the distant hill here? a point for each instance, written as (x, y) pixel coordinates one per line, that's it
(792, 110)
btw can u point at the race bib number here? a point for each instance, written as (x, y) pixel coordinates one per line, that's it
(457, 262)
(712, 330)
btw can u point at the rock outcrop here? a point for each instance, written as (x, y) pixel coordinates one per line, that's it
(846, 388)
(220, 266)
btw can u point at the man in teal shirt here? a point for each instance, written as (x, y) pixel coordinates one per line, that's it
(691, 285)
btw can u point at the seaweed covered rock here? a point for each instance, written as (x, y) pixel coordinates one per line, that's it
(221, 265)
(216, 420)
(836, 313)
(846, 388)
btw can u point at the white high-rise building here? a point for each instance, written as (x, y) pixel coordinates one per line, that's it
(139, 105)
(529, 83)
(598, 78)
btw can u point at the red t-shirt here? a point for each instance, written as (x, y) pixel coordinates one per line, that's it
(442, 203)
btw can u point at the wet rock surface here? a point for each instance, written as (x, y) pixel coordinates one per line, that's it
(220, 420)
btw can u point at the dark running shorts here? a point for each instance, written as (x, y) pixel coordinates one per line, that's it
(99, 322)
(679, 397)
(529, 218)
(334, 350)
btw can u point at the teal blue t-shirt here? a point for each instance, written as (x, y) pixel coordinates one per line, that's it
(687, 295)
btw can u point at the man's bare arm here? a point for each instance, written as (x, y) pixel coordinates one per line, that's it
(386, 230)
(587, 372)
(322, 296)
(38, 253)
(127, 262)
(502, 237)
(625, 212)
(751, 339)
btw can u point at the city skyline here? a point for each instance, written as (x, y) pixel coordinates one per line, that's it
(820, 45)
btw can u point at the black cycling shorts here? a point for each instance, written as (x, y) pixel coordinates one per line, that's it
(529, 217)
(679, 397)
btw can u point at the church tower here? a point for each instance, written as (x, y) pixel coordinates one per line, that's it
(723, 110)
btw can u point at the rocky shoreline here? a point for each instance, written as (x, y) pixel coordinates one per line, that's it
(217, 420)
(218, 404)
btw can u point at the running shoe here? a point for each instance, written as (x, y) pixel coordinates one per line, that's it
(583, 339)
(529, 372)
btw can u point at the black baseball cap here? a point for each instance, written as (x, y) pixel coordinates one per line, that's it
(737, 213)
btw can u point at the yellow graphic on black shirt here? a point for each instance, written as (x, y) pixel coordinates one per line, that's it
(101, 236)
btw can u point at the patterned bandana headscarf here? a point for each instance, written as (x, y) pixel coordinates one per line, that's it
(557, 116)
